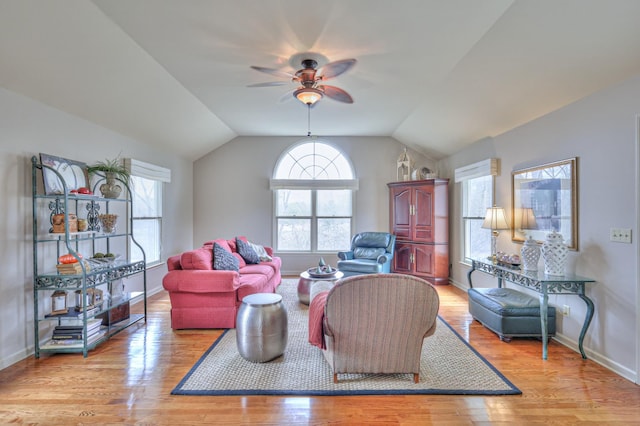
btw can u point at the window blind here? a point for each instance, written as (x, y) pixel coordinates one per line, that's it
(146, 170)
(488, 167)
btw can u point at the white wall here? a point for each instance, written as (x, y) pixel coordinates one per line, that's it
(232, 195)
(600, 131)
(28, 128)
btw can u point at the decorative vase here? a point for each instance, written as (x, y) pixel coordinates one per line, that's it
(554, 253)
(530, 254)
(108, 222)
(110, 189)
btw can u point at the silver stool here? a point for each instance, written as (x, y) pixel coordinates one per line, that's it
(307, 280)
(261, 327)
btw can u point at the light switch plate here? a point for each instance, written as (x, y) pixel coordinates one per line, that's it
(620, 235)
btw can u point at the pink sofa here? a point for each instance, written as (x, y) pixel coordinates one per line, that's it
(202, 297)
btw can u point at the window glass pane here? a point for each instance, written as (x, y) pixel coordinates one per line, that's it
(326, 213)
(293, 202)
(147, 218)
(313, 160)
(294, 234)
(146, 197)
(477, 239)
(335, 202)
(334, 234)
(147, 233)
(477, 197)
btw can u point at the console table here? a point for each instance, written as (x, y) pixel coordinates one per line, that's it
(543, 284)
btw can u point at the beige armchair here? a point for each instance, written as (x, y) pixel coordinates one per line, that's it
(376, 324)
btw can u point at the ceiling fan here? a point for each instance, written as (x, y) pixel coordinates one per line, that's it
(311, 89)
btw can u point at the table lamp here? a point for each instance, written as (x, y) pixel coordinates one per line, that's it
(496, 221)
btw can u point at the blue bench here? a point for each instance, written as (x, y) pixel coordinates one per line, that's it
(509, 313)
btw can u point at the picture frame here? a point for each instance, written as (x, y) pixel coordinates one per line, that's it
(74, 173)
(549, 193)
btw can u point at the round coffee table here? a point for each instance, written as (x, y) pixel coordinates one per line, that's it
(306, 280)
(261, 327)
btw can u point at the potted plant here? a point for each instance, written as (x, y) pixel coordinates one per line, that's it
(113, 169)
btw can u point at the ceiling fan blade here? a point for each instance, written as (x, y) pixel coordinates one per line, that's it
(334, 69)
(286, 97)
(336, 94)
(269, 84)
(273, 71)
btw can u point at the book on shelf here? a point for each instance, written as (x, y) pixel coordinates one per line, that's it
(67, 336)
(74, 315)
(73, 343)
(72, 268)
(78, 324)
(76, 332)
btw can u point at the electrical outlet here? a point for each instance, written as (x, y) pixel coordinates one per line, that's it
(566, 310)
(620, 235)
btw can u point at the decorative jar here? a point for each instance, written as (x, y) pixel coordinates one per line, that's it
(530, 254)
(554, 253)
(108, 222)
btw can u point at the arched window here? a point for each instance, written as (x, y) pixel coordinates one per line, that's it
(313, 185)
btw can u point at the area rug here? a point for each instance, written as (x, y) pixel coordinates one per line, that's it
(450, 366)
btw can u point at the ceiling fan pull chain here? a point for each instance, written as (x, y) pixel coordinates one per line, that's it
(309, 120)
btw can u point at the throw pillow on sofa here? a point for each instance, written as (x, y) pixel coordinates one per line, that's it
(261, 252)
(223, 260)
(247, 252)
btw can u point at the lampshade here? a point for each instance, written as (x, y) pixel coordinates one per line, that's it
(495, 219)
(308, 95)
(528, 220)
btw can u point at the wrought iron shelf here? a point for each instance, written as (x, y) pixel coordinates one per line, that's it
(91, 279)
(92, 273)
(79, 197)
(95, 311)
(77, 236)
(80, 347)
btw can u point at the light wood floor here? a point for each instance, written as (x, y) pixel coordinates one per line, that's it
(129, 379)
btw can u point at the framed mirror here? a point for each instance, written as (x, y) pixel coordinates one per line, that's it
(544, 199)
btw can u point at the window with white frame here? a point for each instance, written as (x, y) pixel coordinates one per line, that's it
(313, 189)
(146, 213)
(477, 195)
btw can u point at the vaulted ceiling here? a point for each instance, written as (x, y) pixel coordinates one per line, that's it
(436, 75)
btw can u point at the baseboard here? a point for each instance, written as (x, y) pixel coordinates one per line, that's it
(573, 345)
(598, 358)
(16, 357)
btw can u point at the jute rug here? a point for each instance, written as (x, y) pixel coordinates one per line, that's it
(449, 366)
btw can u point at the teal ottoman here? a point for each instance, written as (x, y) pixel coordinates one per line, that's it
(509, 313)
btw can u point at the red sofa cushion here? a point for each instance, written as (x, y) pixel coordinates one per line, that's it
(221, 241)
(201, 258)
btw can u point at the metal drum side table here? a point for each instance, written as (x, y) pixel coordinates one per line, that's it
(306, 280)
(261, 327)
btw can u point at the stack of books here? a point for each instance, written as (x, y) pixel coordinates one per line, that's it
(71, 268)
(73, 334)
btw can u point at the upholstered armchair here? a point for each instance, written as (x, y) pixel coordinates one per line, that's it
(371, 253)
(377, 323)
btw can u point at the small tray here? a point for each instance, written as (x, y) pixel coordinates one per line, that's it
(313, 272)
(105, 259)
(508, 264)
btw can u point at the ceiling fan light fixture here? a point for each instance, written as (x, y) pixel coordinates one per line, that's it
(308, 95)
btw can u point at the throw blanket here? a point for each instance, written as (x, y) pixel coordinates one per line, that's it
(316, 319)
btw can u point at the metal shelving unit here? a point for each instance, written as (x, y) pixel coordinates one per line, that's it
(93, 274)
